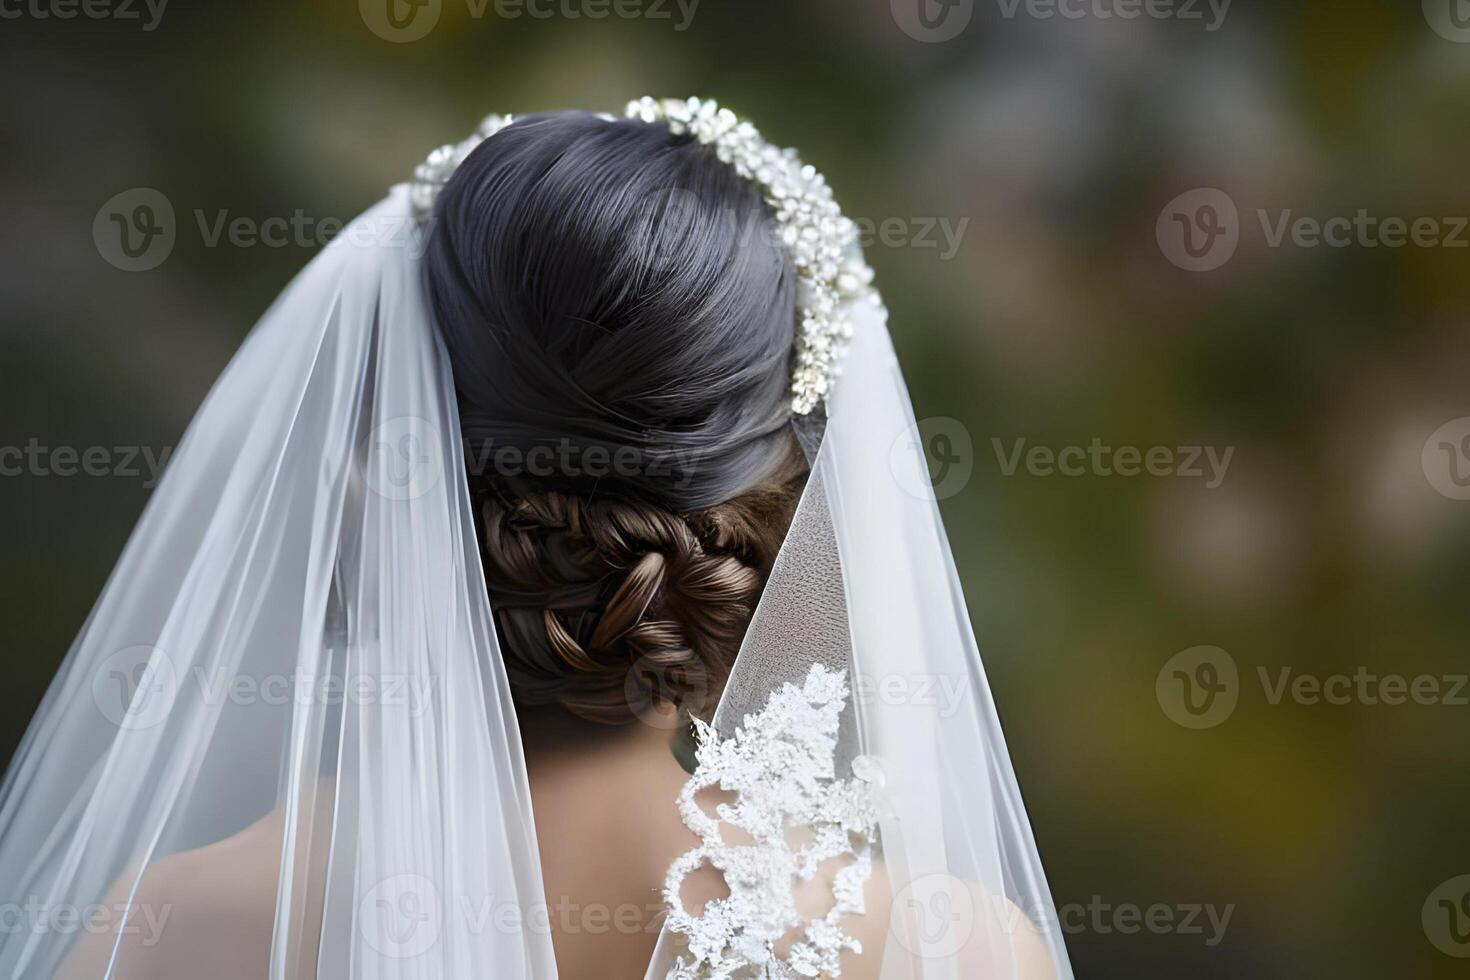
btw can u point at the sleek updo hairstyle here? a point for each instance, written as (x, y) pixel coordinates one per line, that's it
(619, 317)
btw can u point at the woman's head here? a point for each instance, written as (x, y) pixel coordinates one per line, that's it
(618, 316)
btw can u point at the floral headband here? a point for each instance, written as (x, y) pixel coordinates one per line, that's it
(832, 276)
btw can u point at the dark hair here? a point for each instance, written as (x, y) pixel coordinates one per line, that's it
(612, 298)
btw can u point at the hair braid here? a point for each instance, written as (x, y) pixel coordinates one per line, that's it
(606, 604)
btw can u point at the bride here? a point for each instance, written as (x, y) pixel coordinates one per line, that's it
(533, 597)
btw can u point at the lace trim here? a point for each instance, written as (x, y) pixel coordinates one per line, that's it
(781, 765)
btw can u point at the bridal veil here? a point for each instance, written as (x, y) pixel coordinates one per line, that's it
(297, 645)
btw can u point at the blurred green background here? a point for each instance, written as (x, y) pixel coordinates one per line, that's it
(1024, 169)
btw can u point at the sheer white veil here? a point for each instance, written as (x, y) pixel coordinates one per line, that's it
(865, 584)
(295, 644)
(296, 648)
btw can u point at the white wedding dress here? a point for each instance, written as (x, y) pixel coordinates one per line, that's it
(313, 534)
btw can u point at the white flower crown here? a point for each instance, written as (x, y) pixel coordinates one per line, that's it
(831, 274)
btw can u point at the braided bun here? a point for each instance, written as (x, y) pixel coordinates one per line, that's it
(606, 606)
(618, 315)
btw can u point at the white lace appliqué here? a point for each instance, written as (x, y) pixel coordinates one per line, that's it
(780, 764)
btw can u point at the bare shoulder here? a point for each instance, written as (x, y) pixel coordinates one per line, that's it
(192, 913)
(1000, 940)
